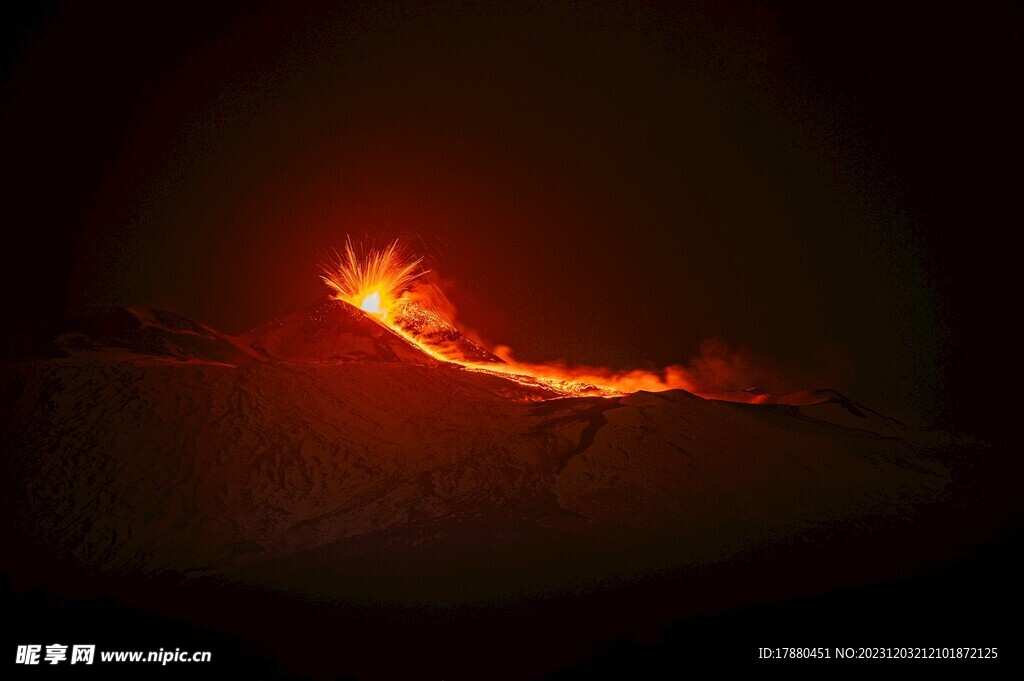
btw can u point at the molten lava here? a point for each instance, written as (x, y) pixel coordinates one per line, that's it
(389, 284)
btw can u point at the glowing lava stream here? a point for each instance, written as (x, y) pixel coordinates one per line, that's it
(388, 284)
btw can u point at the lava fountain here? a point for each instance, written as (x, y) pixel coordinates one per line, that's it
(374, 280)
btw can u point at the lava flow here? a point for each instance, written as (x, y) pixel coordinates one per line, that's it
(389, 284)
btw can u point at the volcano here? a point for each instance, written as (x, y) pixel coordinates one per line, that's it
(324, 472)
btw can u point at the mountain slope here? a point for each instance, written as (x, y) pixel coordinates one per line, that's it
(331, 460)
(349, 432)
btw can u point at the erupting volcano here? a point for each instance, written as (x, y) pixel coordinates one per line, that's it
(363, 456)
(391, 286)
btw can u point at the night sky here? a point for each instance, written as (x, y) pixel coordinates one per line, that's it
(826, 186)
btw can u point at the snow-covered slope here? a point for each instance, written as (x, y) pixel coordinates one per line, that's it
(333, 431)
(323, 457)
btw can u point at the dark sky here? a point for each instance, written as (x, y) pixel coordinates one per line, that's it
(826, 184)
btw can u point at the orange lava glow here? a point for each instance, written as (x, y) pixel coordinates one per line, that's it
(374, 280)
(388, 284)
